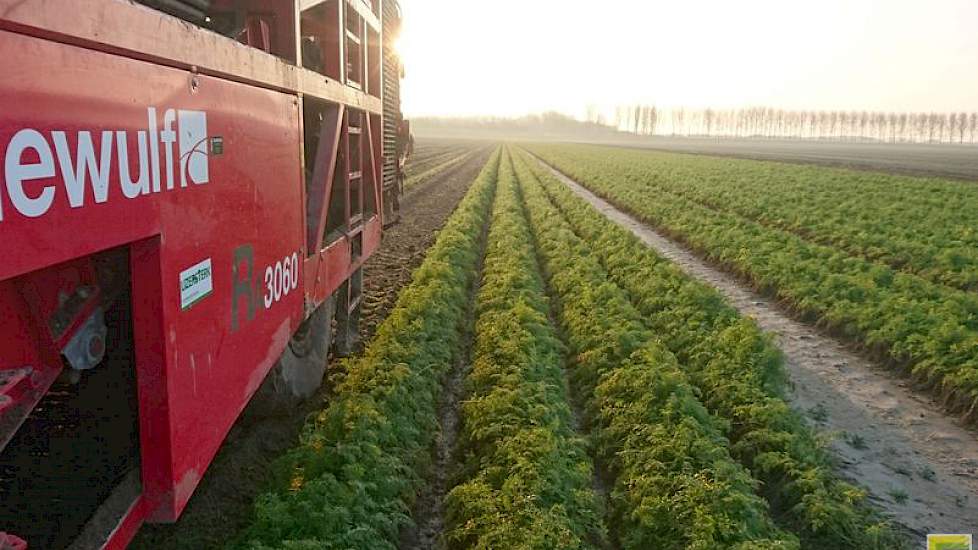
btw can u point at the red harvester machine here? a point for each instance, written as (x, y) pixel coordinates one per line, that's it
(188, 192)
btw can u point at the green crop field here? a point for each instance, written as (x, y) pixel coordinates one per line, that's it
(886, 261)
(608, 400)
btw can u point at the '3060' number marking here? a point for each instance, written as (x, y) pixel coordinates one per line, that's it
(281, 278)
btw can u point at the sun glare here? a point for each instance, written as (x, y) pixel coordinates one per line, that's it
(400, 48)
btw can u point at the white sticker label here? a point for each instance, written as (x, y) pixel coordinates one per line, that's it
(196, 283)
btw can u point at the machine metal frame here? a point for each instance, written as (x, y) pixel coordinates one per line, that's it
(239, 179)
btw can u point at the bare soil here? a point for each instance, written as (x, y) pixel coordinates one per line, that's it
(429, 509)
(222, 504)
(916, 463)
(424, 210)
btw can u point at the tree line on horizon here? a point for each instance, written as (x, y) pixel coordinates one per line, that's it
(767, 122)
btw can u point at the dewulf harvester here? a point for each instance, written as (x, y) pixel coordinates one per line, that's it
(188, 193)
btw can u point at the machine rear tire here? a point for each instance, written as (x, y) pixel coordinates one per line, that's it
(298, 373)
(347, 317)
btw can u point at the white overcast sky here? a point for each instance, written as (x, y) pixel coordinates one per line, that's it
(513, 57)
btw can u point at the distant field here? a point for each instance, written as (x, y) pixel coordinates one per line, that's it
(952, 161)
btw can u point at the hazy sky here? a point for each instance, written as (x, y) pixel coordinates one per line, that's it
(512, 57)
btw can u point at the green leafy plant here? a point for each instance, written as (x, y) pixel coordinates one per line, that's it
(739, 372)
(526, 479)
(675, 483)
(899, 496)
(896, 300)
(352, 479)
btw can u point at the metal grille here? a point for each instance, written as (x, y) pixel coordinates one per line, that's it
(391, 92)
(194, 11)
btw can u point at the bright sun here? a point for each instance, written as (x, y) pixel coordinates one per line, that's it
(398, 45)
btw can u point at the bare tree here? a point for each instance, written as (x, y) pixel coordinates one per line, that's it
(678, 122)
(922, 126)
(593, 114)
(769, 122)
(708, 115)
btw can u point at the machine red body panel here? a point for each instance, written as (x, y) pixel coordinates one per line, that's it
(201, 178)
(250, 199)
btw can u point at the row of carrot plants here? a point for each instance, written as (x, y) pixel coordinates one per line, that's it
(923, 226)
(739, 373)
(674, 483)
(930, 328)
(351, 481)
(526, 476)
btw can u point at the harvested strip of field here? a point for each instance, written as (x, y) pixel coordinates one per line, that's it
(437, 168)
(675, 484)
(739, 373)
(423, 213)
(422, 161)
(526, 475)
(913, 459)
(415, 164)
(361, 461)
(928, 328)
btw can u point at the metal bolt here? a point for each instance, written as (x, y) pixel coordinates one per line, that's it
(96, 346)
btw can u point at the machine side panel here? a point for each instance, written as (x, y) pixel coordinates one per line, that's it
(101, 151)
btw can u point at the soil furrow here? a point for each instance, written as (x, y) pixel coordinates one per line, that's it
(601, 481)
(429, 510)
(425, 532)
(919, 465)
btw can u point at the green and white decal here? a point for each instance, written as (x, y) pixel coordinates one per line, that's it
(196, 283)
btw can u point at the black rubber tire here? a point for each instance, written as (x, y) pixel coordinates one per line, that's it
(298, 373)
(348, 322)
